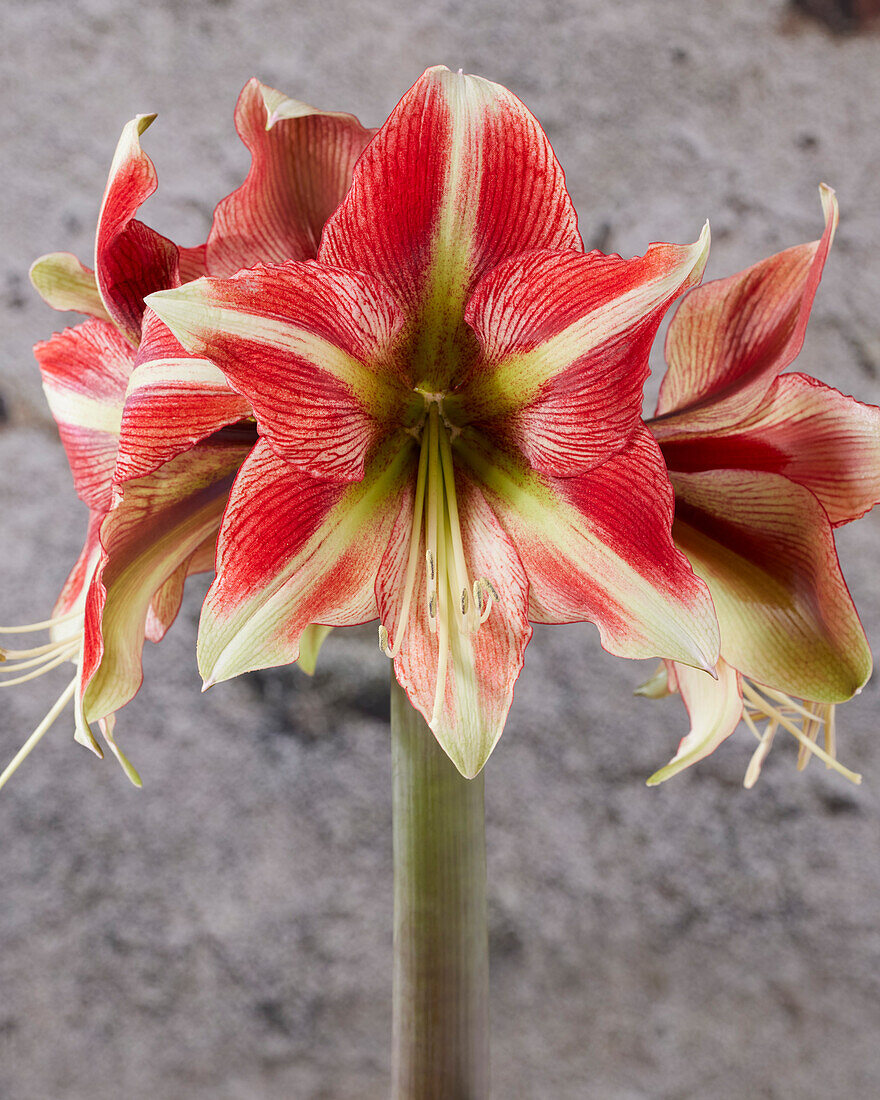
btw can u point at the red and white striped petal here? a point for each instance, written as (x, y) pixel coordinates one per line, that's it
(72, 595)
(597, 547)
(566, 339)
(715, 708)
(310, 348)
(478, 669)
(193, 262)
(301, 165)
(131, 260)
(166, 601)
(460, 177)
(156, 526)
(765, 548)
(295, 550)
(730, 338)
(85, 374)
(174, 399)
(65, 284)
(811, 433)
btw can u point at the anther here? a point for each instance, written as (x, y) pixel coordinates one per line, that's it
(464, 601)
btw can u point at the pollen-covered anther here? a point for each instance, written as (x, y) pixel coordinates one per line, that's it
(804, 720)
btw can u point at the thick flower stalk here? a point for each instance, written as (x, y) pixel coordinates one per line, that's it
(153, 435)
(448, 407)
(765, 465)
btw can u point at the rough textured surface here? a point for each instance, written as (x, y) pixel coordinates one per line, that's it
(226, 932)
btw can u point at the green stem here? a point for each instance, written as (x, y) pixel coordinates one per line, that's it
(441, 954)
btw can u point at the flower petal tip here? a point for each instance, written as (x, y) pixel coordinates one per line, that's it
(85, 738)
(828, 198)
(144, 121)
(664, 773)
(701, 247)
(656, 686)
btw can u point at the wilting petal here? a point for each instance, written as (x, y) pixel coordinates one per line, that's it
(765, 548)
(459, 178)
(131, 260)
(566, 339)
(809, 432)
(715, 708)
(174, 399)
(66, 284)
(597, 547)
(157, 525)
(301, 163)
(295, 550)
(85, 373)
(479, 669)
(730, 338)
(305, 345)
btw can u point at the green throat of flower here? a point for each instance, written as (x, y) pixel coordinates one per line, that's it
(453, 600)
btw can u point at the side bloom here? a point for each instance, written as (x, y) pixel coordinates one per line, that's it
(154, 435)
(764, 466)
(448, 407)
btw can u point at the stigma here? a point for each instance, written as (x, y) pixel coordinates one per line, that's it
(803, 719)
(455, 600)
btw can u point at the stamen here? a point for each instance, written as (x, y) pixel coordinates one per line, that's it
(435, 503)
(831, 733)
(442, 636)
(32, 628)
(765, 707)
(485, 595)
(409, 583)
(811, 730)
(63, 656)
(15, 666)
(59, 705)
(36, 651)
(451, 597)
(457, 544)
(791, 704)
(760, 753)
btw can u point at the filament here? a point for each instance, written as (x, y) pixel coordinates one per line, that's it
(25, 750)
(762, 705)
(453, 600)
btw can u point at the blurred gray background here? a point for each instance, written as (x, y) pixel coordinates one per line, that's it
(225, 932)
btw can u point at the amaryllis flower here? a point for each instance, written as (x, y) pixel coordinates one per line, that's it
(448, 406)
(153, 435)
(764, 466)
